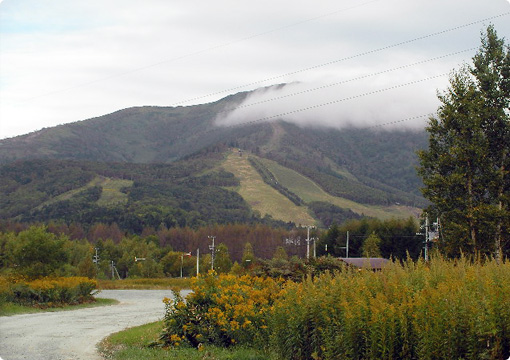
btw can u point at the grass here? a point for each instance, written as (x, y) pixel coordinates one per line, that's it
(266, 200)
(309, 191)
(112, 193)
(262, 197)
(145, 284)
(133, 344)
(9, 309)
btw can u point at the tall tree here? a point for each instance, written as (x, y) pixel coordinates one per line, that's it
(492, 75)
(370, 246)
(248, 258)
(465, 169)
(222, 262)
(39, 253)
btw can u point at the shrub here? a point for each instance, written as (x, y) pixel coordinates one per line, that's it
(47, 292)
(222, 310)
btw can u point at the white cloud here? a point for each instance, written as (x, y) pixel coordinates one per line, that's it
(63, 61)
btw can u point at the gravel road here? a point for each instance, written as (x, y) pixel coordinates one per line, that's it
(73, 335)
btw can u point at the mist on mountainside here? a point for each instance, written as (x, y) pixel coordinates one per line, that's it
(339, 104)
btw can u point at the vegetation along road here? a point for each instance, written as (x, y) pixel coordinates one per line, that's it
(67, 335)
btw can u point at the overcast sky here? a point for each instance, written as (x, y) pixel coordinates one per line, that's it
(360, 62)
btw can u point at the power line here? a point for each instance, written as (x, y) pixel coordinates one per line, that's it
(398, 121)
(341, 100)
(258, 82)
(252, 122)
(346, 81)
(277, 76)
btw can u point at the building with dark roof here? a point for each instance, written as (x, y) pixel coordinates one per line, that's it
(366, 263)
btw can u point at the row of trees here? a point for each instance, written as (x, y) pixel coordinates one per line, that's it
(106, 252)
(394, 238)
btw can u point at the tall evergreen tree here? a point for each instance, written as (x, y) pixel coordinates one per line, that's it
(492, 75)
(465, 169)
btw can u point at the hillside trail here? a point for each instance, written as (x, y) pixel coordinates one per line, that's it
(74, 334)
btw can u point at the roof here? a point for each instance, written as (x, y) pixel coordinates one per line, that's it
(366, 263)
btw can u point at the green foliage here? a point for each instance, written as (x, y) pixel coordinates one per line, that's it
(280, 254)
(465, 169)
(132, 344)
(380, 164)
(171, 264)
(330, 214)
(37, 253)
(222, 310)
(370, 248)
(444, 310)
(188, 193)
(248, 255)
(398, 238)
(294, 269)
(222, 261)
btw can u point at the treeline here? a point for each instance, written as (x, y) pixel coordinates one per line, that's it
(394, 238)
(106, 251)
(330, 214)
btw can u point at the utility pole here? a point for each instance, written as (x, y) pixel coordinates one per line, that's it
(182, 263)
(431, 232)
(308, 227)
(346, 247)
(95, 258)
(114, 271)
(198, 261)
(211, 247)
(426, 252)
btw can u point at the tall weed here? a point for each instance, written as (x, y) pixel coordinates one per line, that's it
(440, 310)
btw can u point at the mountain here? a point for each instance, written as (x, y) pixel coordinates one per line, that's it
(176, 163)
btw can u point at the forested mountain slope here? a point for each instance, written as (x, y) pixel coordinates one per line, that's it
(150, 145)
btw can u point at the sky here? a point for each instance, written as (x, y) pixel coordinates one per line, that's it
(366, 63)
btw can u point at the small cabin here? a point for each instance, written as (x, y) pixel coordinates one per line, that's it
(366, 263)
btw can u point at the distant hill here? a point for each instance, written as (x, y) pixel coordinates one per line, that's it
(175, 162)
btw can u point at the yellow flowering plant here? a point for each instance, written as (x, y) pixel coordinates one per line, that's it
(50, 291)
(442, 309)
(223, 310)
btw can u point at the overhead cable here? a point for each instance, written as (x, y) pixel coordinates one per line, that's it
(442, 32)
(346, 81)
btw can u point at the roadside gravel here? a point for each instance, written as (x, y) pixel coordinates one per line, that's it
(73, 335)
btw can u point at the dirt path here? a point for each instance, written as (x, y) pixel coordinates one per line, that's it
(73, 335)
